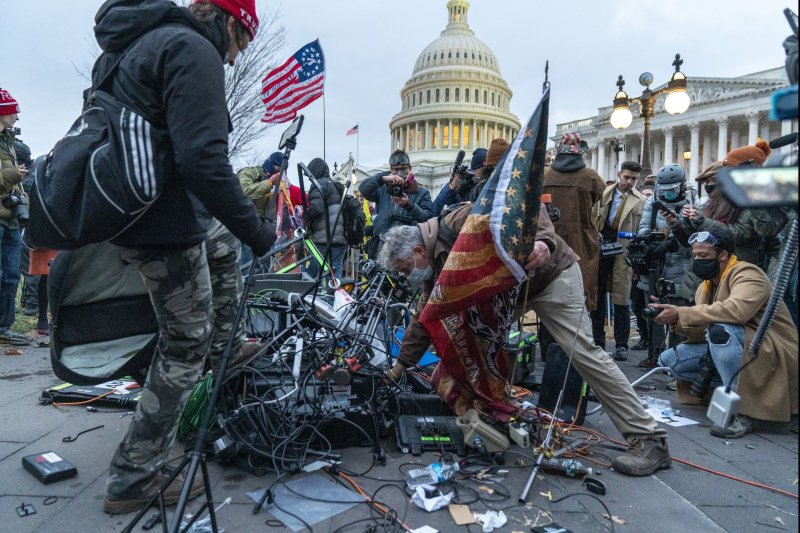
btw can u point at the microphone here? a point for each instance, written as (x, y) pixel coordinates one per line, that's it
(460, 159)
(785, 140)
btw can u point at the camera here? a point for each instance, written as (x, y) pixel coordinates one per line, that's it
(664, 287)
(19, 205)
(639, 255)
(702, 380)
(396, 190)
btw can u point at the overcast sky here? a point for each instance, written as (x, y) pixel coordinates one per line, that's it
(371, 47)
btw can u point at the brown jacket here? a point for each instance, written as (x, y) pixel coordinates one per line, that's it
(575, 193)
(629, 221)
(768, 386)
(416, 339)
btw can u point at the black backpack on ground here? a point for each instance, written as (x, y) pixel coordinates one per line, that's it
(355, 223)
(101, 176)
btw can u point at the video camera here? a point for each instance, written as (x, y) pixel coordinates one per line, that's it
(639, 252)
(18, 204)
(664, 287)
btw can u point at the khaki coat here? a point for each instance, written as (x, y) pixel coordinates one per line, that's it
(768, 386)
(622, 275)
(574, 194)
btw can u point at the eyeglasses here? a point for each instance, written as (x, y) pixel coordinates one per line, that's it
(703, 237)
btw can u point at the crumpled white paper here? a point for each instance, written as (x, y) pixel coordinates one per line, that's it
(430, 504)
(490, 520)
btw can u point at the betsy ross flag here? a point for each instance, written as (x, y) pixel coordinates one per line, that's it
(294, 85)
(353, 130)
(471, 307)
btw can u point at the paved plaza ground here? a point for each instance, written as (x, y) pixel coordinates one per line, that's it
(681, 499)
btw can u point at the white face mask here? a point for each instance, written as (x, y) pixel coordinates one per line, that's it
(419, 275)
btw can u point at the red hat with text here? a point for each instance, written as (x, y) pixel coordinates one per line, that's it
(8, 106)
(242, 10)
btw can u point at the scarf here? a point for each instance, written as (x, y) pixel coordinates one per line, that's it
(708, 286)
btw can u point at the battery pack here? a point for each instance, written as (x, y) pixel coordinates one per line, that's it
(49, 467)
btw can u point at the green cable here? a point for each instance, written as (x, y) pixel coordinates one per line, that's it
(192, 414)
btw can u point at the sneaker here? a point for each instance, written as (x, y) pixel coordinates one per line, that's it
(648, 363)
(644, 457)
(15, 339)
(639, 346)
(139, 496)
(741, 426)
(620, 354)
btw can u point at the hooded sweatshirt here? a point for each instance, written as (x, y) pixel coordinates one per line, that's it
(172, 74)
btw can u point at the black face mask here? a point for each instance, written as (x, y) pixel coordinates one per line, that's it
(710, 187)
(706, 268)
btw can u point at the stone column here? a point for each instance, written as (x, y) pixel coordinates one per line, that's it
(601, 158)
(765, 134)
(594, 158)
(449, 133)
(786, 129)
(694, 147)
(461, 142)
(735, 139)
(722, 142)
(656, 157)
(438, 134)
(474, 134)
(752, 130)
(635, 146)
(679, 154)
(706, 150)
(427, 134)
(669, 153)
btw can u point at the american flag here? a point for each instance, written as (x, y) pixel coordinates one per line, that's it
(294, 85)
(470, 310)
(353, 130)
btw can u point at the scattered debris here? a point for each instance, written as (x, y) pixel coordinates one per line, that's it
(12, 351)
(73, 439)
(614, 518)
(726, 442)
(779, 520)
(461, 514)
(491, 520)
(25, 509)
(484, 488)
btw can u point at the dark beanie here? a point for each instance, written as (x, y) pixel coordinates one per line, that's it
(319, 168)
(23, 153)
(274, 160)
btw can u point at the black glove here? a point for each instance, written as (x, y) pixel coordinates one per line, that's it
(659, 251)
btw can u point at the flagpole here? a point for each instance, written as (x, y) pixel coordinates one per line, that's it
(324, 132)
(358, 135)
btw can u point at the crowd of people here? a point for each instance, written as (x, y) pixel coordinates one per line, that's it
(717, 257)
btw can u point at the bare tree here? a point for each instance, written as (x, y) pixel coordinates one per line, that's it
(242, 86)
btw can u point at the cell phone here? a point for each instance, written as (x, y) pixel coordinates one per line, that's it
(664, 209)
(291, 132)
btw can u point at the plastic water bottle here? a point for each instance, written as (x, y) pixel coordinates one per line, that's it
(431, 474)
(625, 235)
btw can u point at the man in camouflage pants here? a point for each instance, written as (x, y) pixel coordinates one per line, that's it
(178, 362)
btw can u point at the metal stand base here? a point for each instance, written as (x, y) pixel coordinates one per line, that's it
(667, 370)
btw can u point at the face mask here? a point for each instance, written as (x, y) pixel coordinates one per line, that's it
(710, 188)
(419, 275)
(706, 268)
(670, 195)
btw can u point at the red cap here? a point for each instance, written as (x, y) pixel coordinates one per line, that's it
(242, 10)
(8, 106)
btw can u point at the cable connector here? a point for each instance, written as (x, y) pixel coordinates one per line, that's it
(519, 435)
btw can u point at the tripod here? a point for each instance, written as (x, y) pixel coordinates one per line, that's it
(197, 457)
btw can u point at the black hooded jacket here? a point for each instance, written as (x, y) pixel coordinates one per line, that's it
(172, 73)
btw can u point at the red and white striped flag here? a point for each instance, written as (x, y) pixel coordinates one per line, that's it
(294, 85)
(353, 130)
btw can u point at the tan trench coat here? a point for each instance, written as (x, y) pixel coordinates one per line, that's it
(622, 274)
(574, 194)
(768, 386)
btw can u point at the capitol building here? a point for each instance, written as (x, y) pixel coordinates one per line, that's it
(455, 100)
(725, 113)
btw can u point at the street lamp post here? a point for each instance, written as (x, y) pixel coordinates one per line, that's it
(677, 102)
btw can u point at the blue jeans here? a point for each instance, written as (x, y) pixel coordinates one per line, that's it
(726, 343)
(337, 260)
(10, 247)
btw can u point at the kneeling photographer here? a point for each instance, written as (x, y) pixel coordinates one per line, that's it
(664, 258)
(399, 199)
(729, 305)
